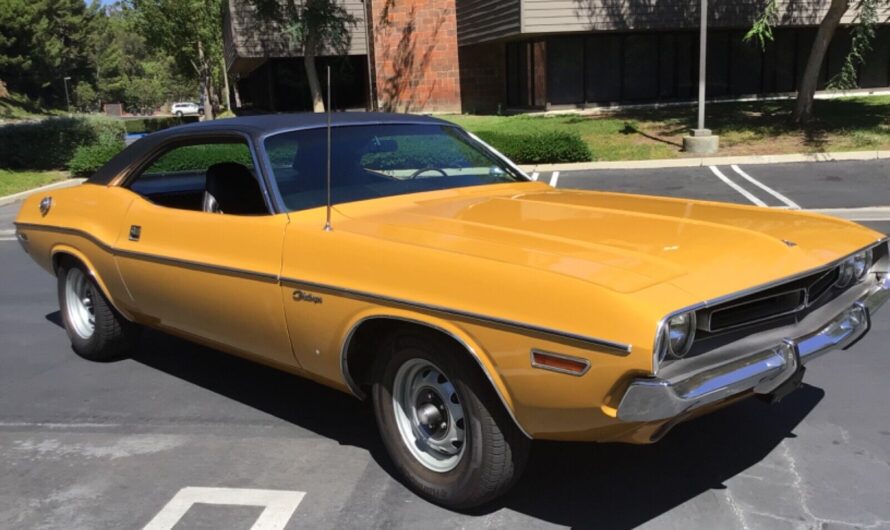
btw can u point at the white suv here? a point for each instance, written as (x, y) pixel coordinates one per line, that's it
(186, 108)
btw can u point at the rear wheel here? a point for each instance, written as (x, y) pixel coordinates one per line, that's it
(443, 425)
(178, 113)
(97, 331)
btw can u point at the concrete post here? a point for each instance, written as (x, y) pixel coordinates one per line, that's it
(701, 141)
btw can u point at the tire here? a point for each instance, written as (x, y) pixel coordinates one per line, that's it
(178, 113)
(97, 331)
(491, 449)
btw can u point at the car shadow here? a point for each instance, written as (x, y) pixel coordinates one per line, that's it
(572, 484)
(623, 486)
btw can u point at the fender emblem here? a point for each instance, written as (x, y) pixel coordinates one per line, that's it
(789, 243)
(303, 296)
(45, 204)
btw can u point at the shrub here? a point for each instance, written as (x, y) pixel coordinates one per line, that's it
(88, 158)
(51, 143)
(150, 125)
(545, 147)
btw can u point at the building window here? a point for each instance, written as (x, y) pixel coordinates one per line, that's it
(628, 67)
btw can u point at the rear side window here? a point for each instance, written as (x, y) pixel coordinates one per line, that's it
(183, 176)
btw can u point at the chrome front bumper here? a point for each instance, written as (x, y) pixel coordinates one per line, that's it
(654, 399)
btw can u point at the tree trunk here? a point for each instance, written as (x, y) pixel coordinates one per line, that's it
(206, 81)
(226, 93)
(804, 109)
(312, 76)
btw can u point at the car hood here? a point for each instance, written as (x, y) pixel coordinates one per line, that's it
(621, 242)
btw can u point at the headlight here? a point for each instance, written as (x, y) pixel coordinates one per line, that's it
(678, 334)
(854, 268)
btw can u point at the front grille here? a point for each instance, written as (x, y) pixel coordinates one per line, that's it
(757, 310)
(823, 284)
(794, 298)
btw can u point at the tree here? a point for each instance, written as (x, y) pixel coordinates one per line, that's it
(315, 27)
(190, 32)
(41, 42)
(863, 34)
(85, 98)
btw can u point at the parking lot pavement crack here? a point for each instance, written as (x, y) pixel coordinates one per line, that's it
(798, 484)
(736, 509)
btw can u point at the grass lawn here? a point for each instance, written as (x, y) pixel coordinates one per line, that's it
(16, 181)
(759, 127)
(17, 107)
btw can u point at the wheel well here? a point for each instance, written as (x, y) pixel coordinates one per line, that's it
(61, 257)
(369, 337)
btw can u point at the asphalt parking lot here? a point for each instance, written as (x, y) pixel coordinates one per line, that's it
(86, 445)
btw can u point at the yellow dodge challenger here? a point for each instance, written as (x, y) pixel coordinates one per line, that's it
(403, 260)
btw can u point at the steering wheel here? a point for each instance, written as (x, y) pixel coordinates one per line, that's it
(424, 170)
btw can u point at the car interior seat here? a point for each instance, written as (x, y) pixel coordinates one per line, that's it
(230, 188)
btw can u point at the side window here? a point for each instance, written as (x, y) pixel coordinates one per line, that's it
(215, 177)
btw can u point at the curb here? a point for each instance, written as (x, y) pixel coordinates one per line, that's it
(15, 197)
(711, 161)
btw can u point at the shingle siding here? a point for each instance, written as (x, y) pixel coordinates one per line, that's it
(248, 37)
(556, 16)
(486, 20)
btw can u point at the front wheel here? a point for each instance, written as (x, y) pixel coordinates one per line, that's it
(97, 331)
(443, 425)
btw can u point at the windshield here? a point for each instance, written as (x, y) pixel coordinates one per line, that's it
(373, 161)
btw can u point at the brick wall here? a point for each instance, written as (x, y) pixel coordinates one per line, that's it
(416, 55)
(483, 77)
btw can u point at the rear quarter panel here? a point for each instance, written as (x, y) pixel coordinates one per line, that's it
(85, 222)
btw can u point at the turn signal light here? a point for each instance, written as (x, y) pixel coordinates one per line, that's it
(564, 364)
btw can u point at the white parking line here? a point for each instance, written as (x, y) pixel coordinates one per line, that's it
(534, 175)
(791, 204)
(748, 195)
(279, 505)
(554, 179)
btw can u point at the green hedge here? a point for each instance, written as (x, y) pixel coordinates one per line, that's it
(545, 147)
(200, 157)
(88, 158)
(51, 143)
(150, 125)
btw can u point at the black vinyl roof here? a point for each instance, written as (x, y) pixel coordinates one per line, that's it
(251, 126)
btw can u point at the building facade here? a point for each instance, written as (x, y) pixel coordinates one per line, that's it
(498, 55)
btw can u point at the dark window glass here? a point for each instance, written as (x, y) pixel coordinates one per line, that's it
(874, 70)
(785, 50)
(565, 70)
(747, 61)
(667, 69)
(640, 67)
(514, 77)
(718, 63)
(379, 161)
(177, 178)
(603, 68)
(687, 65)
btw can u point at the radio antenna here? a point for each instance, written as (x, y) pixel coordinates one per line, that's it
(327, 225)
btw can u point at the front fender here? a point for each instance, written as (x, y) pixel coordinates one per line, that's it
(446, 327)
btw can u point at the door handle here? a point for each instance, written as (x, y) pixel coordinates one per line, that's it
(135, 232)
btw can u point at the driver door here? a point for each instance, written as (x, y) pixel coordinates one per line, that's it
(208, 276)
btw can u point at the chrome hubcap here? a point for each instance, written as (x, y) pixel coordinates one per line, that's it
(429, 415)
(79, 296)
